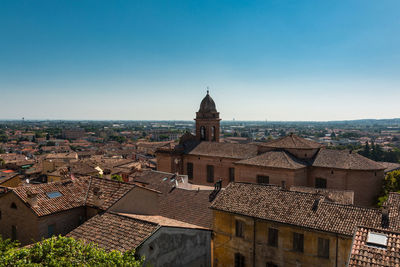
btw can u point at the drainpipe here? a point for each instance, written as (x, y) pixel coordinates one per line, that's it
(254, 242)
(337, 246)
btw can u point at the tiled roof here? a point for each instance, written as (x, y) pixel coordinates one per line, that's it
(344, 159)
(110, 192)
(162, 221)
(194, 203)
(364, 254)
(226, 150)
(295, 208)
(293, 141)
(390, 166)
(72, 196)
(114, 232)
(275, 159)
(74, 193)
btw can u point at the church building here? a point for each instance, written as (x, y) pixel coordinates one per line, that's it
(290, 161)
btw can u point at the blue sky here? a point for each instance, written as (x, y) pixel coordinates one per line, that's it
(274, 60)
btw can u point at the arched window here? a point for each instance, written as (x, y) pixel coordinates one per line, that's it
(202, 133)
(213, 133)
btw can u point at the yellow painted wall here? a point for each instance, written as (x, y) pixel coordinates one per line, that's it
(226, 244)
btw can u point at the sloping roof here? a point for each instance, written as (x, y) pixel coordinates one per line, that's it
(295, 208)
(344, 159)
(364, 254)
(173, 201)
(114, 232)
(72, 196)
(74, 193)
(390, 166)
(111, 191)
(292, 141)
(162, 221)
(226, 150)
(275, 159)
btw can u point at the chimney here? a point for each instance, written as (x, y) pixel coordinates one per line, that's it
(283, 185)
(385, 217)
(97, 201)
(32, 198)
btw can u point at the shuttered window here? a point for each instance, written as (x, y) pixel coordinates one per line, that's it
(298, 242)
(189, 167)
(210, 173)
(323, 248)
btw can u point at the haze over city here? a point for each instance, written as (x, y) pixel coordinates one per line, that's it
(152, 60)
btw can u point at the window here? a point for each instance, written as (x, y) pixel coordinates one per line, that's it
(202, 133)
(239, 260)
(213, 138)
(271, 264)
(320, 183)
(0, 214)
(51, 229)
(239, 228)
(298, 242)
(262, 179)
(323, 248)
(13, 232)
(231, 174)
(210, 173)
(53, 194)
(13, 206)
(189, 167)
(273, 237)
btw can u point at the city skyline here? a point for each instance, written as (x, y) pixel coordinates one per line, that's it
(153, 60)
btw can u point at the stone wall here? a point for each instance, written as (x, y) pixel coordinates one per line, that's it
(172, 246)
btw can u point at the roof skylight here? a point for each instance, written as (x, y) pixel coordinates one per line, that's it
(377, 240)
(53, 194)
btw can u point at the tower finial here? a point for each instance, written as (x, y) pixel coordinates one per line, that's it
(208, 90)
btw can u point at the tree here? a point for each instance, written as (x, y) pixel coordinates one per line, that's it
(117, 177)
(391, 183)
(63, 251)
(366, 151)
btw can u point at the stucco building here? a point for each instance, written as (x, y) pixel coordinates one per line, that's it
(292, 160)
(266, 225)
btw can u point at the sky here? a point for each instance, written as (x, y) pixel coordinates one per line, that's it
(275, 60)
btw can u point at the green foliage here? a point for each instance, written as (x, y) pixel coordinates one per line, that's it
(63, 251)
(376, 153)
(3, 138)
(117, 177)
(391, 183)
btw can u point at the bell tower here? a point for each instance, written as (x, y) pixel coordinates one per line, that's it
(207, 121)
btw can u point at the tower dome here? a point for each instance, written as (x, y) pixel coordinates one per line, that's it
(207, 120)
(207, 104)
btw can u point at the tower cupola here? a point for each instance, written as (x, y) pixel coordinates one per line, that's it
(207, 120)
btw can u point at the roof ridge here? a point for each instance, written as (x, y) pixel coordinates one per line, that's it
(126, 216)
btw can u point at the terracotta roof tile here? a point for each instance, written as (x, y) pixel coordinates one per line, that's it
(292, 141)
(114, 232)
(344, 159)
(296, 208)
(275, 159)
(227, 150)
(74, 193)
(365, 254)
(194, 203)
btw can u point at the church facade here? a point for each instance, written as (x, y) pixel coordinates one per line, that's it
(290, 161)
